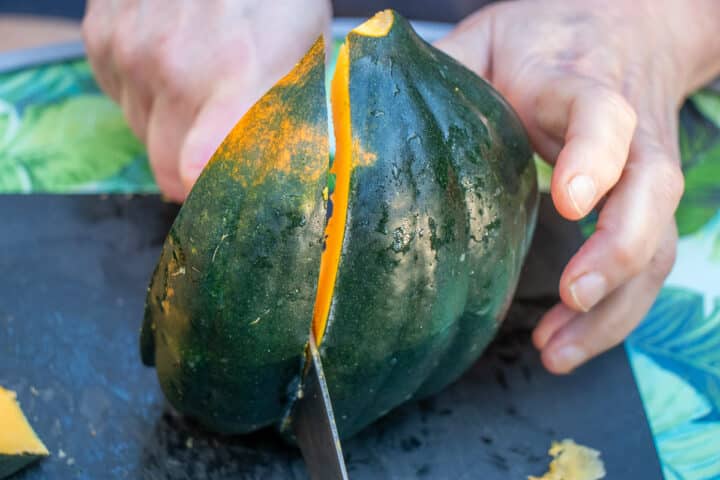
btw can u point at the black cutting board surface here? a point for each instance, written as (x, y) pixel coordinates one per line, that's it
(74, 274)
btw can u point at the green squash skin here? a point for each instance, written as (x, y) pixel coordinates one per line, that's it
(438, 226)
(10, 464)
(229, 305)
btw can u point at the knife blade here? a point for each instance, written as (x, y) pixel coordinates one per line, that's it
(313, 423)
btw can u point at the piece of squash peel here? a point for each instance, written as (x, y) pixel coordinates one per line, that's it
(19, 446)
(573, 462)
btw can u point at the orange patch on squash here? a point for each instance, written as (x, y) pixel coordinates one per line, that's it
(269, 139)
(285, 151)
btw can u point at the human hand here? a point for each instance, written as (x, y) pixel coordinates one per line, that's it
(185, 72)
(598, 85)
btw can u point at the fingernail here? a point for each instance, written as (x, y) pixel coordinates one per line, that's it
(587, 290)
(567, 358)
(581, 190)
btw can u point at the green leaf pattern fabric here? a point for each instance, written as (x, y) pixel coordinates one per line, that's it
(60, 134)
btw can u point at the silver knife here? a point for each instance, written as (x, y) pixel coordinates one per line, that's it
(314, 423)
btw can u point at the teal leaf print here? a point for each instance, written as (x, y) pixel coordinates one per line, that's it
(691, 451)
(700, 153)
(686, 444)
(9, 122)
(59, 134)
(62, 146)
(679, 337)
(675, 355)
(708, 103)
(135, 177)
(47, 84)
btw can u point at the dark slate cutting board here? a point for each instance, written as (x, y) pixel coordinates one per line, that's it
(72, 284)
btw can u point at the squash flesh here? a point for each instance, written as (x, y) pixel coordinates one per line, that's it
(377, 26)
(16, 435)
(337, 194)
(19, 446)
(571, 460)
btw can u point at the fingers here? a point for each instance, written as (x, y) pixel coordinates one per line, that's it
(553, 320)
(137, 108)
(114, 44)
(127, 60)
(597, 125)
(98, 28)
(629, 228)
(602, 152)
(567, 340)
(168, 123)
(616, 274)
(470, 42)
(153, 59)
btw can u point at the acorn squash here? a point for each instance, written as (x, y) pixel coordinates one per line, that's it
(19, 446)
(400, 253)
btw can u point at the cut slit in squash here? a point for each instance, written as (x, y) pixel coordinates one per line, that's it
(338, 191)
(19, 446)
(340, 170)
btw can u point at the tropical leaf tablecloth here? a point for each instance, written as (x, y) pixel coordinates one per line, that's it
(58, 133)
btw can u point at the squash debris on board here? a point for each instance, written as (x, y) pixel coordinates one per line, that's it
(573, 462)
(19, 446)
(400, 253)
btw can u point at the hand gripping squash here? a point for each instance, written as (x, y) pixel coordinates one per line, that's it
(400, 255)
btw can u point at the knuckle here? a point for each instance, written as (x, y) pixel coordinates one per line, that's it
(613, 332)
(662, 263)
(628, 251)
(168, 61)
(617, 158)
(606, 334)
(93, 37)
(670, 180)
(617, 106)
(125, 55)
(621, 109)
(137, 118)
(614, 329)
(658, 137)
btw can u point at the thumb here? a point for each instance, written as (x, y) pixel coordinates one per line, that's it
(470, 42)
(216, 117)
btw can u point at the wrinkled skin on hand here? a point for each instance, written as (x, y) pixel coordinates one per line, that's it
(598, 85)
(185, 72)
